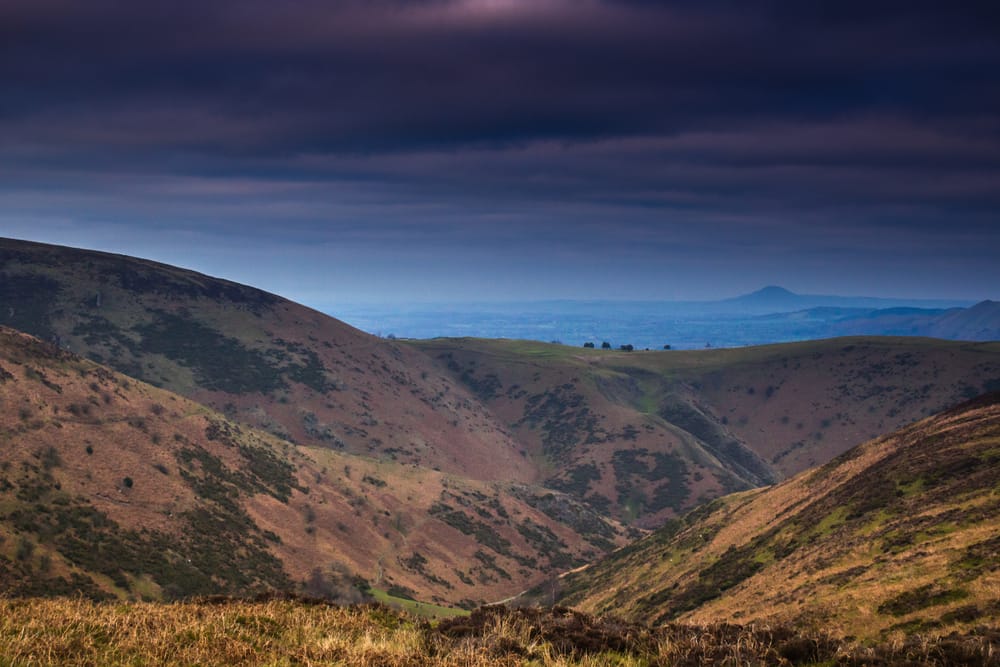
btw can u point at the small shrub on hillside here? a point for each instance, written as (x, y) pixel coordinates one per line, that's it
(928, 595)
(335, 584)
(401, 592)
(25, 549)
(374, 481)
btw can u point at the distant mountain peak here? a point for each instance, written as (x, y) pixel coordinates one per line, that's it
(772, 294)
(772, 291)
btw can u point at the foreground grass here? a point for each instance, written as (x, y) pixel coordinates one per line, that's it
(274, 633)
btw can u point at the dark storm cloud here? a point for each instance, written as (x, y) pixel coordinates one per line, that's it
(461, 118)
(377, 75)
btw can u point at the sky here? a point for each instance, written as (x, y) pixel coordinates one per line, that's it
(388, 151)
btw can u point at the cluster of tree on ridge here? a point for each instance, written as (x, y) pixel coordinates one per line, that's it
(625, 348)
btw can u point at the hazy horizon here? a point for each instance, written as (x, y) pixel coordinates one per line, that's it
(286, 283)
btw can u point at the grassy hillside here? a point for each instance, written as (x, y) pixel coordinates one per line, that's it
(649, 435)
(112, 487)
(899, 534)
(260, 359)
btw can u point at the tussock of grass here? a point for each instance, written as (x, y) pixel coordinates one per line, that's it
(287, 632)
(48, 632)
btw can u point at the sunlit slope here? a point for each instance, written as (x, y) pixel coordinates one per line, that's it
(110, 486)
(902, 532)
(649, 435)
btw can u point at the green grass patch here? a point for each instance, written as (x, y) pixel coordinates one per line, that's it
(831, 522)
(879, 520)
(991, 454)
(911, 487)
(421, 609)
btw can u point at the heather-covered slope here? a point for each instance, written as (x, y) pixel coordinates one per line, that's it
(254, 356)
(109, 486)
(649, 435)
(902, 533)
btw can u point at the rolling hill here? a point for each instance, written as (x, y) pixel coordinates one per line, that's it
(112, 487)
(980, 322)
(258, 358)
(901, 533)
(649, 435)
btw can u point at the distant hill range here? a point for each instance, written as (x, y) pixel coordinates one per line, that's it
(454, 470)
(769, 315)
(978, 322)
(773, 299)
(901, 533)
(767, 300)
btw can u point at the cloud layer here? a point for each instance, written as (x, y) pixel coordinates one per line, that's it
(832, 141)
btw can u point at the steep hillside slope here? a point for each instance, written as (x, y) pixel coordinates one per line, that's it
(109, 486)
(254, 356)
(648, 435)
(902, 533)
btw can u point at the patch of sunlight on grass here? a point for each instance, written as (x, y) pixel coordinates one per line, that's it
(422, 609)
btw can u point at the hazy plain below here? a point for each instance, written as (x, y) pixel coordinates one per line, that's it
(769, 315)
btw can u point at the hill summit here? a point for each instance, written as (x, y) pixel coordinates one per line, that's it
(770, 293)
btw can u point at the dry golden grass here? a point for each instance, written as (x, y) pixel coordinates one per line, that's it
(276, 633)
(48, 632)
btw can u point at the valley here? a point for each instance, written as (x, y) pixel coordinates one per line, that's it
(462, 333)
(167, 435)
